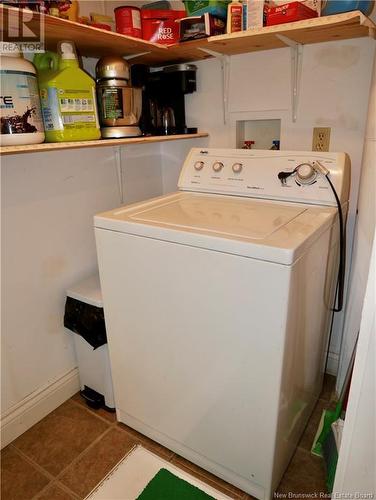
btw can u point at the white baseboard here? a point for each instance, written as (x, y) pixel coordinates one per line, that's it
(20, 417)
(23, 415)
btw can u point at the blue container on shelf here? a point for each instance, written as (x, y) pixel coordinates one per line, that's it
(339, 6)
(217, 8)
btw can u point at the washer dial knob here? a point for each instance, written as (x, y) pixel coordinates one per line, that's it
(199, 165)
(217, 166)
(237, 168)
(305, 173)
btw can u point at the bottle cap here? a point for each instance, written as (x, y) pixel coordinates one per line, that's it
(67, 50)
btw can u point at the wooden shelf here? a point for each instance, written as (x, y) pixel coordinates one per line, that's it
(90, 41)
(317, 30)
(58, 146)
(96, 42)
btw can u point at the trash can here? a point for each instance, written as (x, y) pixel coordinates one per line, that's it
(84, 316)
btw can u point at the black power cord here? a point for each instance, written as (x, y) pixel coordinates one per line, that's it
(340, 287)
(342, 252)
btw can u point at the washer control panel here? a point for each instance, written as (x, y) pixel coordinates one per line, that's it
(280, 175)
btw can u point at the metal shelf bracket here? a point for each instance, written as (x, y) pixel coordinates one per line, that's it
(296, 71)
(225, 67)
(119, 172)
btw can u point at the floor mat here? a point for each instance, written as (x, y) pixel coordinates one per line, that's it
(167, 486)
(141, 475)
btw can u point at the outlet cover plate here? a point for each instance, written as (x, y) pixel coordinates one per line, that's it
(321, 139)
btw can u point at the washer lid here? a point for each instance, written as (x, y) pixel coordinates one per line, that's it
(262, 229)
(228, 217)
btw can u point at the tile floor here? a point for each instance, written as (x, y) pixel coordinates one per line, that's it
(68, 452)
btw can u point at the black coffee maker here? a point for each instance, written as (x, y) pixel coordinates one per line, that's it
(163, 101)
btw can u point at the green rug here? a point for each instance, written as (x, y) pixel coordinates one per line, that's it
(166, 486)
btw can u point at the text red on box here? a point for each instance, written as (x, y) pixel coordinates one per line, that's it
(160, 25)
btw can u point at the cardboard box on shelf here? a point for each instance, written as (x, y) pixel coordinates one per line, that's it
(192, 28)
(159, 25)
(217, 8)
(311, 4)
(289, 13)
(256, 11)
(102, 19)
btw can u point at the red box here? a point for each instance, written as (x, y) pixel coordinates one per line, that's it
(160, 25)
(288, 13)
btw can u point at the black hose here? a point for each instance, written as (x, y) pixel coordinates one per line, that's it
(330, 334)
(342, 252)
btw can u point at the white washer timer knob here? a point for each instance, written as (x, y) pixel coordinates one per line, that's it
(305, 173)
(217, 166)
(199, 165)
(237, 168)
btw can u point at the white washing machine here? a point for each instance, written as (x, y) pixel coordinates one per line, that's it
(217, 302)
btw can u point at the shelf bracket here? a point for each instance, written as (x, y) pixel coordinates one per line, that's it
(296, 71)
(225, 67)
(119, 172)
(133, 56)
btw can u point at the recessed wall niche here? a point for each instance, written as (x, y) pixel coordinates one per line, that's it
(262, 132)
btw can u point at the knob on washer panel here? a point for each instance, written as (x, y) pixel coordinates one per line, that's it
(305, 173)
(199, 165)
(237, 168)
(217, 166)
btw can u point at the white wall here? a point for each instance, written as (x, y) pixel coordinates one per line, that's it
(363, 238)
(334, 92)
(356, 466)
(262, 132)
(48, 203)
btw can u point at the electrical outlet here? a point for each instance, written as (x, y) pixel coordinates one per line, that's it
(321, 139)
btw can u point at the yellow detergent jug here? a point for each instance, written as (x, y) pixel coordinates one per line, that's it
(68, 97)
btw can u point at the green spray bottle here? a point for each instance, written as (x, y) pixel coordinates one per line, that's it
(68, 98)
